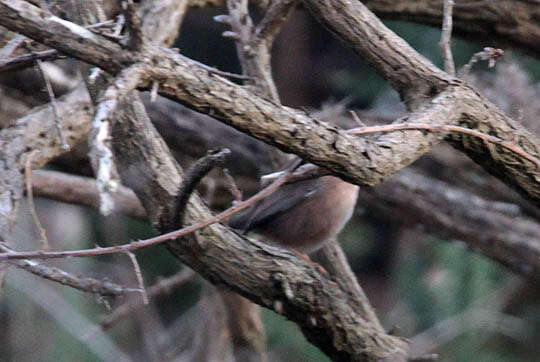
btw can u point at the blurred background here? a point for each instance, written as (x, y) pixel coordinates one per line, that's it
(438, 291)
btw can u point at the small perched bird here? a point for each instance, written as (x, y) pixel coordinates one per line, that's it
(301, 215)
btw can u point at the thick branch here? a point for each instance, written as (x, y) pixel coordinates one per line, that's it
(36, 131)
(495, 229)
(501, 23)
(82, 191)
(162, 20)
(360, 161)
(268, 277)
(412, 75)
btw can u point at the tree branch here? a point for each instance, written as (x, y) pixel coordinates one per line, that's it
(80, 190)
(360, 161)
(36, 131)
(508, 23)
(494, 229)
(88, 285)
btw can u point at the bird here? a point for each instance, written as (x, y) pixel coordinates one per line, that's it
(301, 215)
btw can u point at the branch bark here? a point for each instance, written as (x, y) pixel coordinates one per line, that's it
(361, 161)
(280, 282)
(36, 131)
(513, 23)
(321, 308)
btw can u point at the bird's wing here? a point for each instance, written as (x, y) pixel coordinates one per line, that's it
(285, 198)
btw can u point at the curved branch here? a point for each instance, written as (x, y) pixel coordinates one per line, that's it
(361, 161)
(270, 277)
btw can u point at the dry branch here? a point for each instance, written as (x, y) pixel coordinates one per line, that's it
(507, 23)
(80, 190)
(359, 161)
(161, 288)
(320, 307)
(88, 285)
(494, 229)
(36, 131)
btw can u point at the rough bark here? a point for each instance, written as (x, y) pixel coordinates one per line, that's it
(19, 140)
(319, 306)
(268, 276)
(362, 161)
(507, 23)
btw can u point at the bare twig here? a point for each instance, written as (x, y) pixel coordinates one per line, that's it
(30, 196)
(71, 319)
(54, 106)
(192, 178)
(253, 53)
(224, 215)
(26, 60)
(489, 54)
(210, 69)
(161, 288)
(446, 38)
(233, 188)
(10, 47)
(104, 24)
(87, 285)
(357, 119)
(446, 128)
(308, 171)
(138, 275)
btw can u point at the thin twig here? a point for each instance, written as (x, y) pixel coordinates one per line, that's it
(87, 285)
(357, 119)
(104, 24)
(309, 171)
(446, 38)
(214, 70)
(54, 106)
(233, 188)
(30, 197)
(115, 35)
(445, 128)
(136, 245)
(481, 313)
(254, 53)
(161, 288)
(68, 317)
(138, 275)
(489, 54)
(26, 60)
(10, 47)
